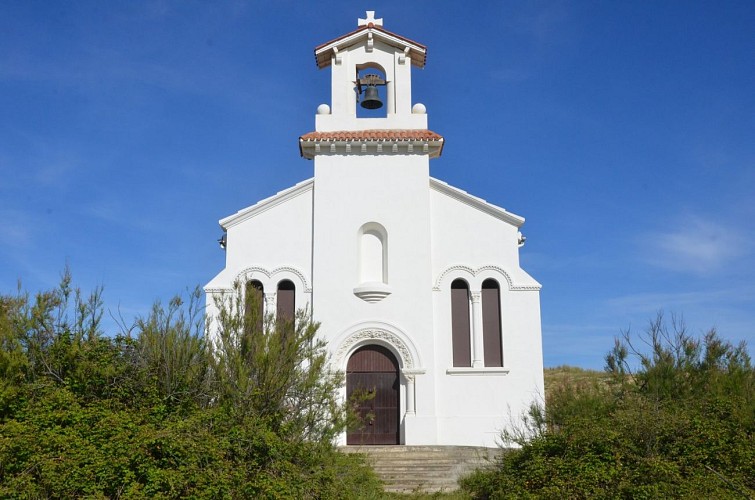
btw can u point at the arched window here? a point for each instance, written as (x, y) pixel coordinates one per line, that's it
(373, 246)
(460, 331)
(491, 323)
(372, 263)
(254, 306)
(286, 301)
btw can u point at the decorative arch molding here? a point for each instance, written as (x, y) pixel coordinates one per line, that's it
(286, 271)
(382, 334)
(461, 271)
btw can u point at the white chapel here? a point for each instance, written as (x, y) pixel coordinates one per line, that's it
(416, 283)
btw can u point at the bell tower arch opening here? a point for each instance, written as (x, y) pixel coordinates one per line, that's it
(371, 80)
(373, 91)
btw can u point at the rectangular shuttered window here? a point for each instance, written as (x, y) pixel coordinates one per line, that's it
(491, 323)
(285, 300)
(254, 307)
(460, 324)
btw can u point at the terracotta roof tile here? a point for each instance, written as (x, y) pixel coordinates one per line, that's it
(361, 28)
(374, 135)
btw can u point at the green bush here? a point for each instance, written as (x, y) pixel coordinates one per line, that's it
(674, 421)
(162, 412)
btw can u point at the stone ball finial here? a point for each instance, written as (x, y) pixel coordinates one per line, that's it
(419, 109)
(323, 109)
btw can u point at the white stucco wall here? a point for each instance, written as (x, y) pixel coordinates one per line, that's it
(475, 242)
(269, 241)
(431, 239)
(351, 191)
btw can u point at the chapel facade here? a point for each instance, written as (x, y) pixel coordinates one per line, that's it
(417, 284)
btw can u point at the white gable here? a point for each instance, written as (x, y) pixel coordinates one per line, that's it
(475, 202)
(367, 34)
(266, 204)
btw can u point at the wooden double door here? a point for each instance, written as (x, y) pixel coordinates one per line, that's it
(374, 369)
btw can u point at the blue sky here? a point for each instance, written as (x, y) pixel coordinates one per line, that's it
(624, 132)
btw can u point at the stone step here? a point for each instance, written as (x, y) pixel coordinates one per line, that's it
(425, 464)
(423, 468)
(439, 459)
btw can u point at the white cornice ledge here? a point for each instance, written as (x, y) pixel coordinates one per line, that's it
(413, 371)
(326, 147)
(488, 370)
(478, 203)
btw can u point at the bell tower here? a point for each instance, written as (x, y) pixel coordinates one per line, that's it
(371, 245)
(370, 68)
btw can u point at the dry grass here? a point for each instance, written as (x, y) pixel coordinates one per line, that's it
(561, 376)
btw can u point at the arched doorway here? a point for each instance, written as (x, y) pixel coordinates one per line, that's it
(374, 368)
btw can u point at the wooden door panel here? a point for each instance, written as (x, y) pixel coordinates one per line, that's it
(374, 369)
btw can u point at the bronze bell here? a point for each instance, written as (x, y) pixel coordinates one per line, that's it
(371, 98)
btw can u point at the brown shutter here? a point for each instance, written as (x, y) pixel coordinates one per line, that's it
(286, 300)
(491, 323)
(460, 323)
(254, 307)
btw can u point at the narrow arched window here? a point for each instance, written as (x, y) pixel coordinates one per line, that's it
(286, 301)
(373, 249)
(460, 332)
(491, 323)
(254, 306)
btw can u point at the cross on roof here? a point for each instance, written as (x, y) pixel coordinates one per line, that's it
(370, 20)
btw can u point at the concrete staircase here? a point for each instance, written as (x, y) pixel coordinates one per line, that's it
(423, 468)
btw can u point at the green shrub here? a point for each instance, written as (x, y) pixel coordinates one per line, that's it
(680, 425)
(160, 412)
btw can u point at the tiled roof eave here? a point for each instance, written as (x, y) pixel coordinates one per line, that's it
(366, 28)
(418, 53)
(325, 143)
(372, 135)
